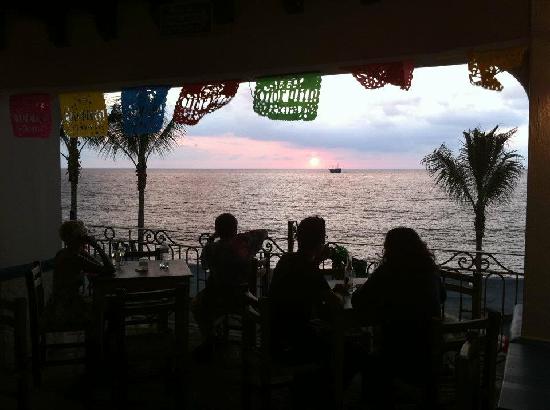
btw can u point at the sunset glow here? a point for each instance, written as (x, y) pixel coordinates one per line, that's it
(314, 162)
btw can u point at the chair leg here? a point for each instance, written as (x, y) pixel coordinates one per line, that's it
(265, 397)
(38, 357)
(23, 392)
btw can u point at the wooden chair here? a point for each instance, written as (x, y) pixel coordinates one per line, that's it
(39, 330)
(259, 370)
(162, 343)
(14, 379)
(259, 269)
(471, 347)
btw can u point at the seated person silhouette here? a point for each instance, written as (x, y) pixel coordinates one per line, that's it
(401, 298)
(229, 262)
(67, 304)
(299, 293)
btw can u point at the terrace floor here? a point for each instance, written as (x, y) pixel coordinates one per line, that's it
(213, 385)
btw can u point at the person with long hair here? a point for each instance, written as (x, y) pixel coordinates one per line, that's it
(401, 298)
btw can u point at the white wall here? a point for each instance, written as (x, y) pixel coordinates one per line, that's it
(30, 192)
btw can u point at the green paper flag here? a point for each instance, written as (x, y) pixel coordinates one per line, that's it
(291, 98)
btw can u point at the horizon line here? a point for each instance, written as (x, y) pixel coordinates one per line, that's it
(261, 169)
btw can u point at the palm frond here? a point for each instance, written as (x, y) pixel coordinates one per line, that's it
(503, 179)
(450, 174)
(116, 142)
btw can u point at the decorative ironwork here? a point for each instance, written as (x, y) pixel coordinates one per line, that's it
(500, 284)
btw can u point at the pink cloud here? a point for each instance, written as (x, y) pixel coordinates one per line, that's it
(230, 151)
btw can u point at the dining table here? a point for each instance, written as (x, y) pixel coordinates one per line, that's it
(134, 276)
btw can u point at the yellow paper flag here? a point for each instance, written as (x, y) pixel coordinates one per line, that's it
(83, 114)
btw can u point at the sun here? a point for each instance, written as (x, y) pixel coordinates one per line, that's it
(314, 162)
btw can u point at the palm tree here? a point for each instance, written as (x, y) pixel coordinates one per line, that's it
(137, 148)
(74, 147)
(483, 172)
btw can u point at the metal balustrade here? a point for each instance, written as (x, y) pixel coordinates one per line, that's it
(499, 287)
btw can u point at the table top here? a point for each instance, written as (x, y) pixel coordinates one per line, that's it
(526, 377)
(176, 267)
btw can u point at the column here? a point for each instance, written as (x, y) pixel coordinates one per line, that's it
(536, 312)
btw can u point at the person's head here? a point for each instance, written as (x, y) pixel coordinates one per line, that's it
(225, 226)
(311, 234)
(72, 233)
(403, 246)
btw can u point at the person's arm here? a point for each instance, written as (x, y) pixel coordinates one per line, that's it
(251, 241)
(90, 265)
(206, 253)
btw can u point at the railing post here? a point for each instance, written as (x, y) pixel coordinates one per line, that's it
(290, 236)
(476, 297)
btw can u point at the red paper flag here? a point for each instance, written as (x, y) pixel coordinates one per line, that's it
(31, 115)
(377, 75)
(197, 100)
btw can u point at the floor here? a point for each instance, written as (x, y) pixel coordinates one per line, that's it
(211, 386)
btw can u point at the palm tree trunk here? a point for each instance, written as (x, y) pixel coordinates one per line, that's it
(141, 172)
(73, 169)
(479, 225)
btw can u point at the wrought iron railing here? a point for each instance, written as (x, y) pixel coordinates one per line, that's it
(500, 287)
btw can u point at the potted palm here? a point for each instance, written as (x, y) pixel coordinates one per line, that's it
(341, 261)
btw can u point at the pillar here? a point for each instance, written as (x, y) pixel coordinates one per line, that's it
(536, 311)
(30, 192)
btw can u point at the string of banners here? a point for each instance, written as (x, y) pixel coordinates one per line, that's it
(83, 114)
(289, 98)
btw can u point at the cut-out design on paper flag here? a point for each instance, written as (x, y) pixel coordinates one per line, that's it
(197, 100)
(371, 76)
(31, 115)
(485, 65)
(143, 109)
(83, 114)
(290, 98)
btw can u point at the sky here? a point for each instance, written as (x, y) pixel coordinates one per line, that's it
(387, 128)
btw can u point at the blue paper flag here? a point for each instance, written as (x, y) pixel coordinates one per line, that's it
(143, 109)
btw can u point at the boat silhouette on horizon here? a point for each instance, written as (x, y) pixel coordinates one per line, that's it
(335, 170)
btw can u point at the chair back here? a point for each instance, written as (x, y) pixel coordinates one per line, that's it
(459, 285)
(256, 318)
(35, 292)
(474, 344)
(13, 315)
(127, 305)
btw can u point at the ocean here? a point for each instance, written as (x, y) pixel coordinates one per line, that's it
(359, 206)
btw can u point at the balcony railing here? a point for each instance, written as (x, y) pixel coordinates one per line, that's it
(476, 281)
